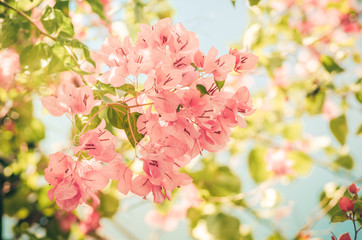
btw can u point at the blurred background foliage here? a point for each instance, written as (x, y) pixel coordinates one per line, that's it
(309, 76)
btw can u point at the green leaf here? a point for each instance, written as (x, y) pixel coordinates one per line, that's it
(302, 162)
(74, 43)
(345, 161)
(202, 89)
(179, 107)
(339, 128)
(276, 236)
(103, 88)
(330, 65)
(359, 131)
(357, 205)
(130, 127)
(195, 67)
(27, 5)
(314, 102)
(109, 205)
(273, 61)
(358, 93)
(292, 131)
(219, 181)
(257, 165)
(9, 32)
(62, 5)
(253, 2)
(339, 217)
(126, 89)
(81, 121)
(116, 115)
(193, 215)
(56, 22)
(223, 227)
(34, 57)
(106, 99)
(59, 57)
(233, 2)
(97, 7)
(219, 84)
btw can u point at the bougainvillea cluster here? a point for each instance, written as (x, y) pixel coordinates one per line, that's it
(173, 107)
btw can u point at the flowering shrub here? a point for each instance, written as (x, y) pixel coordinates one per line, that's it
(172, 106)
(145, 104)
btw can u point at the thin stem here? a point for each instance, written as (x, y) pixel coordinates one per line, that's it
(354, 225)
(130, 127)
(92, 119)
(140, 105)
(313, 220)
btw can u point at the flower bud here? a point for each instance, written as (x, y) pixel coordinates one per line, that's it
(353, 189)
(346, 204)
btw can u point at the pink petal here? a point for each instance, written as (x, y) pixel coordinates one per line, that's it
(345, 236)
(95, 180)
(51, 194)
(125, 181)
(52, 105)
(141, 185)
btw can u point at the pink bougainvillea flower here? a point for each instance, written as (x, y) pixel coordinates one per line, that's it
(148, 122)
(9, 67)
(82, 101)
(219, 67)
(280, 77)
(330, 110)
(58, 168)
(166, 103)
(118, 171)
(182, 111)
(66, 220)
(73, 180)
(183, 40)
(158, 35)
(167, 222)
(277, 162)
(170, 220)
(98, 143)
(213, 136)
(193, 103)
(244, 102)
(349, 25)
(70, 99)
(141, 185)
(163, 78)
(244, 60)
(353, 189)
(91, 221)
(346, 204)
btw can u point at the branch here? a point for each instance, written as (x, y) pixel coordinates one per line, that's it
(313, 220)
(124, 231)
(70, 52)
(29, 19)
